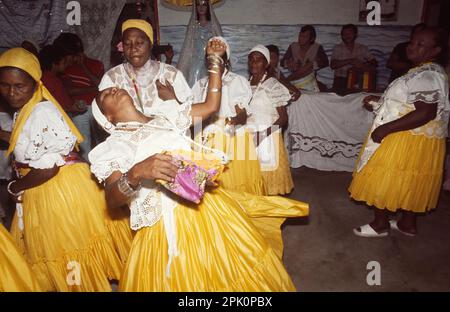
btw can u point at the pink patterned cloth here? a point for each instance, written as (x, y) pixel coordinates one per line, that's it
(191, 179)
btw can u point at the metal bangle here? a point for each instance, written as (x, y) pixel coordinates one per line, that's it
(214, 90)
(8, 188)
(125, 188)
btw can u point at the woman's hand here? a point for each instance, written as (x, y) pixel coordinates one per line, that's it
(158, 166)
(367, 102)
(380, 133)
(216, 47)
(165, 92)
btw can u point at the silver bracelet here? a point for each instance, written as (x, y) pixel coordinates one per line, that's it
(125, 188)
(214, 90)
(8, 188)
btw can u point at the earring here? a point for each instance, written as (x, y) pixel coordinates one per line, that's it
(108, 125)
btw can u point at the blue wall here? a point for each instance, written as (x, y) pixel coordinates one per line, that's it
(380, 40)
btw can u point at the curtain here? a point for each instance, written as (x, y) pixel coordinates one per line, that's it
(39, 21)
(98, 21)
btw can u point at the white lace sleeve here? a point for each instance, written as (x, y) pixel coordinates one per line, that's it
(110, 156)
(240, 92)
(46, 138)
(425, 87)
(278, 94)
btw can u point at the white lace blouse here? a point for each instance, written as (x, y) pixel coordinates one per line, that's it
(45, 138)
(121, 77)
(427, 83)
(263, 106)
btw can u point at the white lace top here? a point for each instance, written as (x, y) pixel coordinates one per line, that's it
(427, 83)
(45, 139)
(120, 76)
(124, 148)
(235, 91)
(263, 106)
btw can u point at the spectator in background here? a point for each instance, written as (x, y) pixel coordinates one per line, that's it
(54, 62)
(31, 46)
(398, 61)
(82, 78)
(349, 55)
(304, 58)
(274, 71)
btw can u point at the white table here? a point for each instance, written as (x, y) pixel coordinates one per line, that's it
(326, 131)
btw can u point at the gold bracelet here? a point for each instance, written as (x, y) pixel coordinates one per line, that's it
(214, 90)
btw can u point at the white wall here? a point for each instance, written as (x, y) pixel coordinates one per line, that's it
(292, 12)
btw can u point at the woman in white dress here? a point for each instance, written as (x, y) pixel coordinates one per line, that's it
(225, 130)
(212, 246)
(268, 117)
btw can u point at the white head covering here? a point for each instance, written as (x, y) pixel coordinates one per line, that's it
(263, 50)
(220, 38)
(100, 118)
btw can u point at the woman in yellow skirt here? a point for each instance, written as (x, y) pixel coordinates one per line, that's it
(181, 246)
(61, 223)
(401, 164)
(225, 131)
(268, 117)
(15, 273)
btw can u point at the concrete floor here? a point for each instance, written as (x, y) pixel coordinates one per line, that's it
(323, 254)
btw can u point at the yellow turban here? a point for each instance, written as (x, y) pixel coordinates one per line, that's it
(26, 61)
(139, 24)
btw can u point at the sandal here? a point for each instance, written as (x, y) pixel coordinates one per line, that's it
(394, 226)
(367, 231)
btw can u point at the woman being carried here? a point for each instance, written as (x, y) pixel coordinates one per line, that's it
(180, 246)
(224, 130)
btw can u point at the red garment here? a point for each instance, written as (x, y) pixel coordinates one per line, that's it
(55, 85)
(78, 78)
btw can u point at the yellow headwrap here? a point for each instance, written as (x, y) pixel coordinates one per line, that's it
(26, 61)
(139, 24)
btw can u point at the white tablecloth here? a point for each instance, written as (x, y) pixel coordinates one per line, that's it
(326, 131)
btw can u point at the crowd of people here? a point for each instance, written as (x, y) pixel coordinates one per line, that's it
(165, 136)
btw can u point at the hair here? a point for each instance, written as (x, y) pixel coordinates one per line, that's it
(350, 26)
(440, 37)
(420, 26)
(51, 54)
(69, 42)
(21, 71)
(312, 32)
(273, 48)
(208, 13)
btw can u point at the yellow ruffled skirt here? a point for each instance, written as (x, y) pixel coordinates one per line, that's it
(220, 248)
(15, 273)
(66, 238)
(405, 173)
(279, 180)
(243, 172)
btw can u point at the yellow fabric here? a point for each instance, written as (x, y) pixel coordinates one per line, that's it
(404, 173)
(15, 273)
(220, 249)
(279, 180)
(139, 24)
(65, 220)
(26, 61)
(243, 172)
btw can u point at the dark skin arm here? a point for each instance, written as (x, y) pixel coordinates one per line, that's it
(336, 64)
(5, 135)
(301, 71)
(158, 166)
(240, 118)
(287, 56)
(420, 116)
(322, 59)
(34, 178)
(281, 122)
